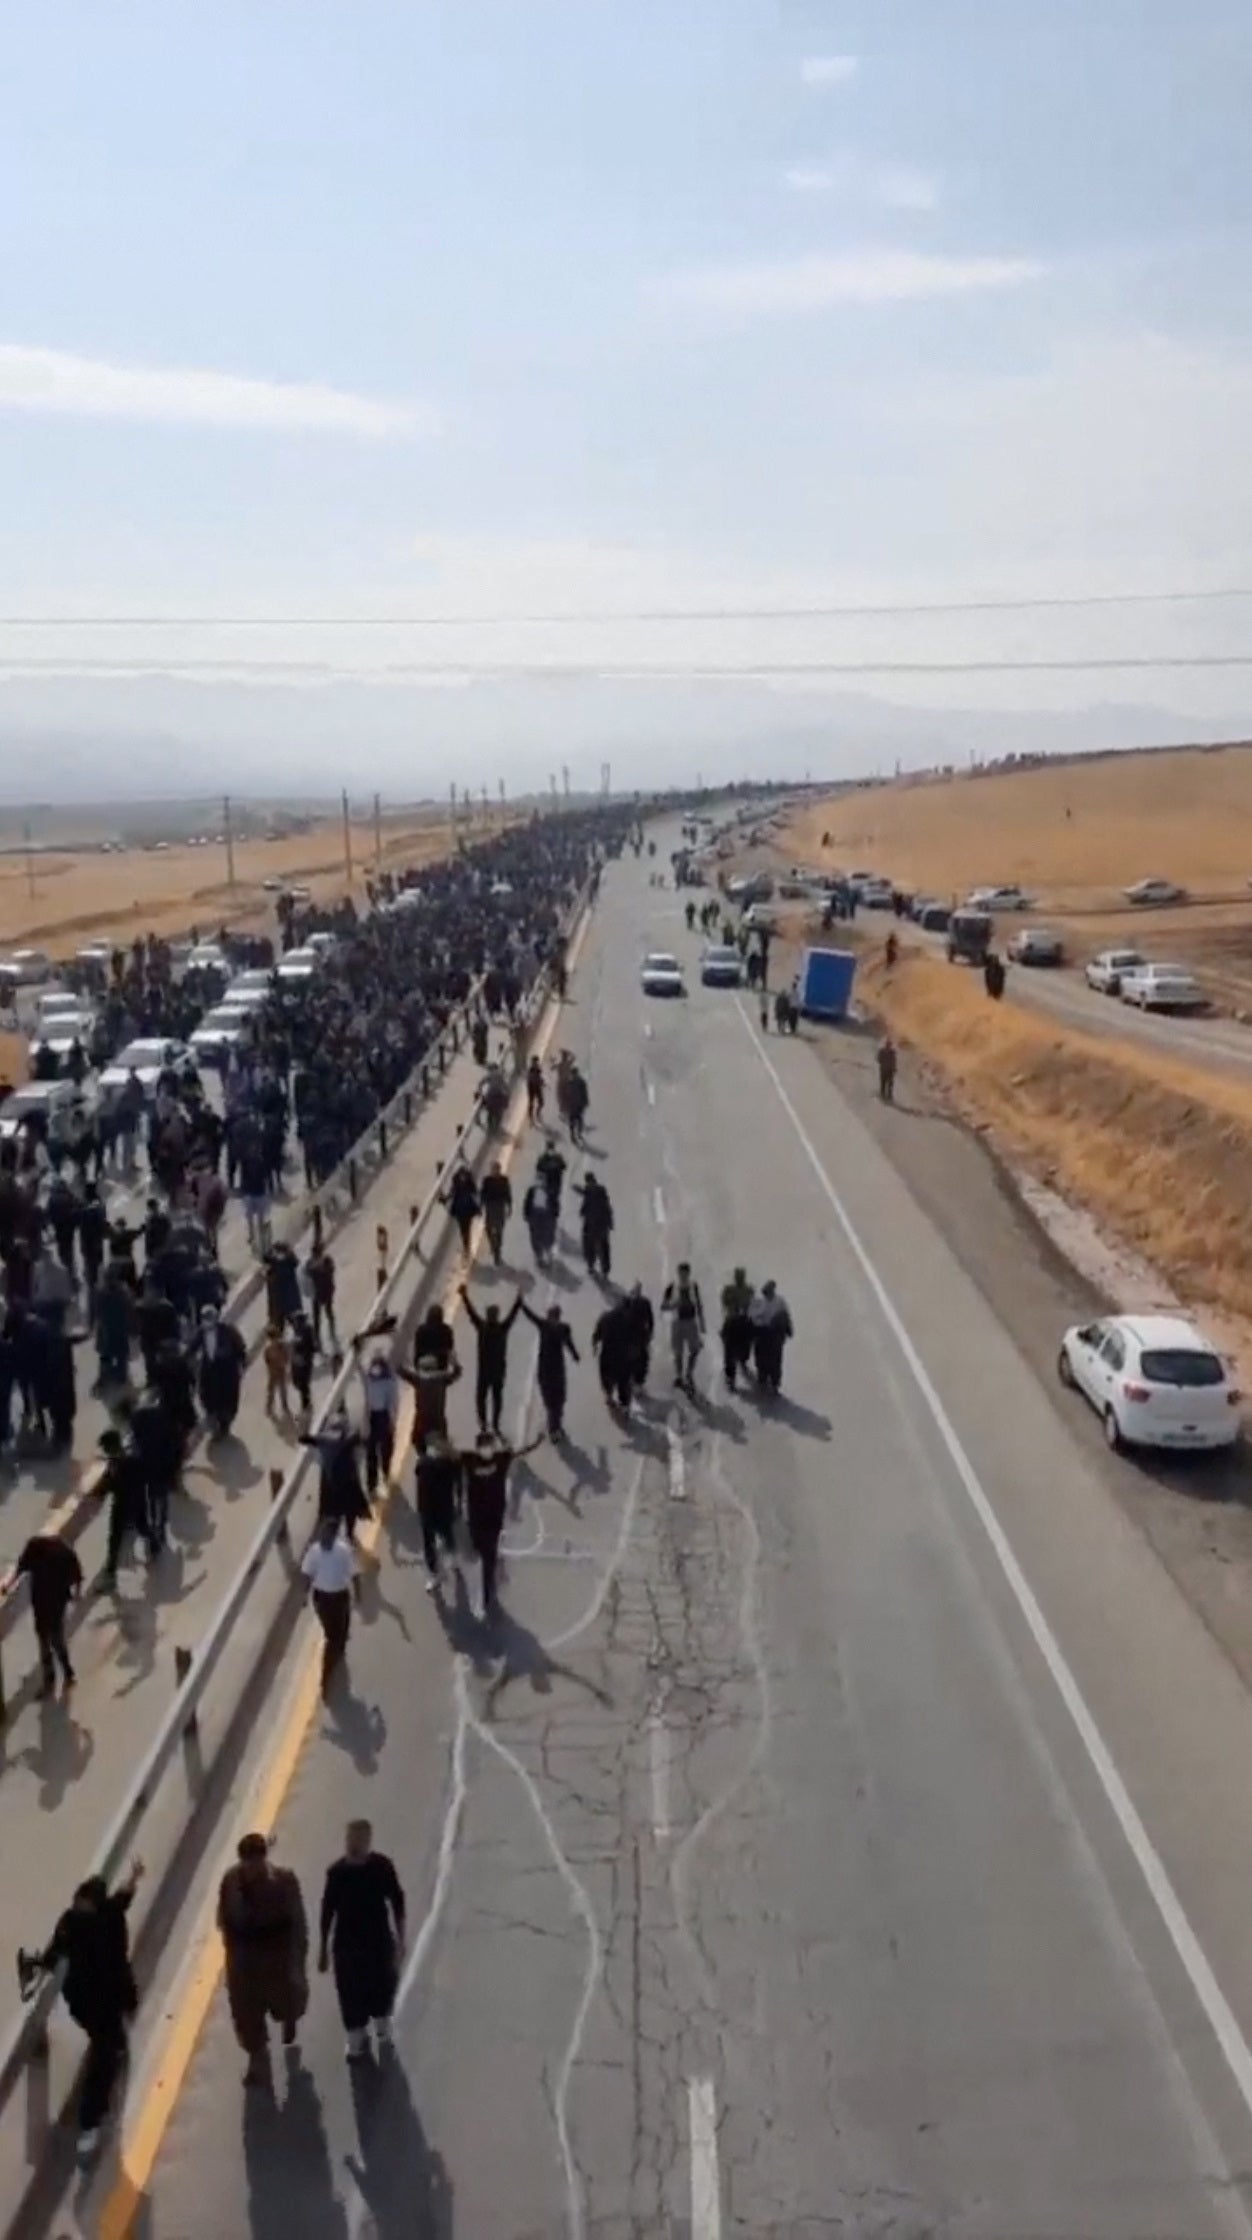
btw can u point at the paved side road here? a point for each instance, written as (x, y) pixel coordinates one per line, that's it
(845, 1825)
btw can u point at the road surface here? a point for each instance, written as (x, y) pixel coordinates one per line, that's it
(845, 1827)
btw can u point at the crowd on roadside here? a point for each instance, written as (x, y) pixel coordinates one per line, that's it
(319, 1064)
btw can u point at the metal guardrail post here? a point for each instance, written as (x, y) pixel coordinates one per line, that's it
(182, 1666)
(317, 1225)
(276, 1487)
(382, 1135)
(408, 1107)
(353, 1179)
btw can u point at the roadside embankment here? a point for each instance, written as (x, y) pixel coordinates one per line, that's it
(1159, 1153)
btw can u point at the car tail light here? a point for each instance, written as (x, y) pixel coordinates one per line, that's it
(1137, 1391)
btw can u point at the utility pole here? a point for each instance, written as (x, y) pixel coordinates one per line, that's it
(378, 832)
(347, 840)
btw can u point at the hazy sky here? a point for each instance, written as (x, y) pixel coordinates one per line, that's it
(505, 307)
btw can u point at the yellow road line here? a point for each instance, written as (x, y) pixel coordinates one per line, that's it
(144, 2136)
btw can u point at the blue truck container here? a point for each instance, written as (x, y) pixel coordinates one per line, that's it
(826, 977)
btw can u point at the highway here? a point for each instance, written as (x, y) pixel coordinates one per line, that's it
(845, 1827)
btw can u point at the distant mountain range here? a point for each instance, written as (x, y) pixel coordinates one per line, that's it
(86, 739)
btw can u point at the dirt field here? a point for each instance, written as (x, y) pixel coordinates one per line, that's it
(87, 897)
(1073, 834)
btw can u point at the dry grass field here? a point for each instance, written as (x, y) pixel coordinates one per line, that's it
(89, 896)
(1072, 834)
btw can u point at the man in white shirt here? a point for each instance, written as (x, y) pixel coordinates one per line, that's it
(331, 1569)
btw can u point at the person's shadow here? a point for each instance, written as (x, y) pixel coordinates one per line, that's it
(291, 2184)
(62, 1754)
(518, 1654)
(402, 2181)
(353, 1725)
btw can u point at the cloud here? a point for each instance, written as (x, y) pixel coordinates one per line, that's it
(870, 275)
(893, 186)
(828, 69)
(58, 381)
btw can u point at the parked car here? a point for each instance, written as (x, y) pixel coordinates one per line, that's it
(1147, 892)
(1035, 945)
(147, 1059)
(932, 917)
(1153, 1380)
(62, 1031)
(1104, 972)
(721, 968)
(57, 1004)
(298, 967)
(998, 898)
(54, 1099)
(220, 1031)
(1163, 987)
(662, 975)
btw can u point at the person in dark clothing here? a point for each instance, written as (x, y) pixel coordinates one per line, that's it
(556, 1344)
(535, 1091)
(540, 1219)
(438, 1493)
(492, 1329)
(302, 1352)
(550, 1171)
(220, 1355)
(319, 1271)
(485, 1476)
(888, 1061)
(122, 1485)
(157, 1323)
(341, 1497)
(642, 1323)
(496, 1198)
(577, 1099)
(362, 1928)
(282, 1285)
(597, 1224)
(613, 1343)
(736, 1331)
(92, 1232)
(463, 1203)
(91, 1943)
(115, 1314)
(54, 1576)
(433, 1339)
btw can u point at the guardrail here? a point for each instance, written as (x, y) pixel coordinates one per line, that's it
(335, 1196)
(27, 2039)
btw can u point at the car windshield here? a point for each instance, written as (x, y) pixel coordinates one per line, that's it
(141, 1054)
(660, 963)
(1181, 1365)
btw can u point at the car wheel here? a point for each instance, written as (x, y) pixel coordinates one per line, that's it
(1113, 1432)
(1065, 1368)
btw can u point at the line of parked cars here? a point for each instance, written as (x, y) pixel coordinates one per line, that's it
(1149, 983)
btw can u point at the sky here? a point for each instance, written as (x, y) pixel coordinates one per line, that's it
(510, 309)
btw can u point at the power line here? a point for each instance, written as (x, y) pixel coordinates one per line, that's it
(589, 616)
(565, 671)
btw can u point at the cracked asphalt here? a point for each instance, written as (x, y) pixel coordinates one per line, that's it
(761, 1796)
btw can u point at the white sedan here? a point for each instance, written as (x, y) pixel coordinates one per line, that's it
(1153, 1381)
(662, 975)
(1104, 972)
(147, 1060)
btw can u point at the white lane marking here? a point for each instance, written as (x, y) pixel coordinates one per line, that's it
(596, 1604)
(658, 1770)
(676, 1463)
(647, 1028)
(580, 1899)
(658, 1207)
(1204, 1983)
(706, 2189)
(651, 1089)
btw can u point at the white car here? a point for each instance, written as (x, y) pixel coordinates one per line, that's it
(55, 1099)
(662, 975)
(147, 1059)
(59, 1034)
(298, 967)
(1153, 1380)
(58, 1004)
(1104, 973)
(998, 898)
(221, 1030)
(1154, 893)
(1163, 987)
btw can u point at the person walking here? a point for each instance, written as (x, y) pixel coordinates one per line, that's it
(492, 1330)
(381, 1390)
(496, 1198)
(550, 1171)
(319, 1276)
(122, 1484)
(264, 1929)
(736, 1331)
(362, 1927)
(888, 1060)
(540, 1219)
(276, 1354)
(642, 1326)
(485, 1476)
(302, 1352)
(771, 1328)
(91, 1943)
(54, 1577)
(220, 1355)
(613, 1343)
(462, 1201)
(683, 1304)
(597, 1225)
(536, 1092)
(556, 1346)
(341, 1498)
(438, 1493)
(330, 1567)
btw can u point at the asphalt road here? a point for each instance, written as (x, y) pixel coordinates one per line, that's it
(844, 1827)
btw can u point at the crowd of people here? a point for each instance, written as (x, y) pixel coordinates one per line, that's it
(461, 1484)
